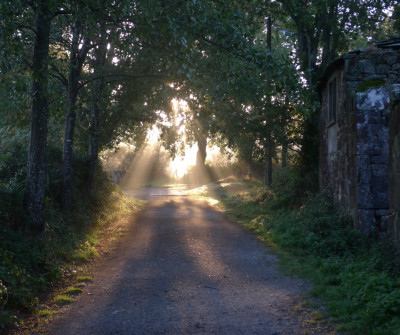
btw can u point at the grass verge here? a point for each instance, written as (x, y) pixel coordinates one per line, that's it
(355, 277)
(38, 275)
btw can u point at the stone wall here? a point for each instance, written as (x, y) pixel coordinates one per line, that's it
(354, 151)
(372, 111)
(337, 149)
(394, 166)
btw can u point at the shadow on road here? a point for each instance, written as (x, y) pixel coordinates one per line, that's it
(185, 269)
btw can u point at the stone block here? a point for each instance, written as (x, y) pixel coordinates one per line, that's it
(375, 77)
(367, 66)
(382, 69)
(383, 225)
(373, 99)
(352, 84)
(379, 171)
(365, 196)
(380, 200)
(393, 77)
(366, 221)
(372, 139)
(356, 76)
(352, 67)
(382, 212)
(379, 159)
(394, 157)
(368, 116)
(350, 55)
(381, 221)
(385, 116)
(364, 173)
(395, 92)
(390, 58)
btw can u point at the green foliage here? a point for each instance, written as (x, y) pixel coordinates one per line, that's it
(46, 313)
(366, 85)
(357, 278)
(73, 290)
(215, 55)
(63, 299)
(13, 156)
(3, 294)
(396, 19)
(287, 186)
(30, 264)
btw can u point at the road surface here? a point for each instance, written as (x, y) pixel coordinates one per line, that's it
(183, 268)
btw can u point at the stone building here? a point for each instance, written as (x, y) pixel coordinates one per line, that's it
(394, 165)
(358, 164)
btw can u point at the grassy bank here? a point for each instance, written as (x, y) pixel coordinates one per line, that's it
(31, 265)
(356, 278)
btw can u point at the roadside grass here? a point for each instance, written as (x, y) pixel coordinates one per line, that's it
(63, 299)
(356, 278)
(74, 290)
(32, 269)
(82, 279)
(46, 313)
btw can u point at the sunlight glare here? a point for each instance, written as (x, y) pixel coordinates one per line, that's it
(181, 164)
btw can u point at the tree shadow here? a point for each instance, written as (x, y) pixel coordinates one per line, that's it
(185, 269)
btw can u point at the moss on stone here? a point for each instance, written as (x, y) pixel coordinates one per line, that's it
(366, 85)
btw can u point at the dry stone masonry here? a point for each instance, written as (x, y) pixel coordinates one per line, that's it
(360, 136)
(394, 165)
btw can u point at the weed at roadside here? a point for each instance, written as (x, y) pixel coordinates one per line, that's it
(356, 278)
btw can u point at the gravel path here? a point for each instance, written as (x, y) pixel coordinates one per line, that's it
(184, 268)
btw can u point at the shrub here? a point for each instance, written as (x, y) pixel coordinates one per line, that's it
(28, 263)
(13, 157)
(3, 295)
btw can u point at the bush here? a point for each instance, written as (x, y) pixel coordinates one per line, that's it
(286, 187)
(30, 264)
(3, 295)
(13, 157)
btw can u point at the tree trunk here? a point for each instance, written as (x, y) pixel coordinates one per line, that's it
(284, 155)
(285, 146)
(94, 137)
(249, 160)
(250, 170)
(326, 39)
(68, 148)
(77, 58)
(98, 85)
(268, 166)
(37, 166)
(201, 151)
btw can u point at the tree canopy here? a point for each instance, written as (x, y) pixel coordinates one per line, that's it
(82, 76)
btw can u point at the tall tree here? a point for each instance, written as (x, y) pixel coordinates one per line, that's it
(96, 93)
(80, 46)
(328, 26)
(36, 175)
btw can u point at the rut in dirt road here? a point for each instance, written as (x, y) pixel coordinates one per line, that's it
(185, 269)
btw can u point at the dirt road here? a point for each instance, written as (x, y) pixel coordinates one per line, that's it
(185, 269)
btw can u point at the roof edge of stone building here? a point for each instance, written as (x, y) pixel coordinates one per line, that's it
(393, 43)
(332, 66)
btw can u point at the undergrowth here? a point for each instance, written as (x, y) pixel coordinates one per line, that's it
(30, 265)
(356, 278)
